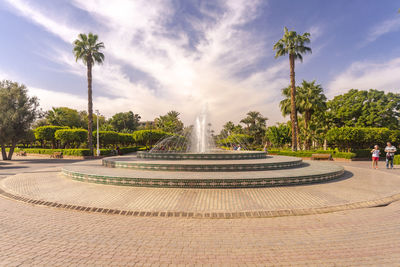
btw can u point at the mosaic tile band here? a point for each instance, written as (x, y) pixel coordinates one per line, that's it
(242, 166)
(203, 183)
(204, 156)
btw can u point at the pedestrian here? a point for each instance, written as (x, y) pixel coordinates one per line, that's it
(266, 148)
(239, 148)
(390, 150)
(375, 156)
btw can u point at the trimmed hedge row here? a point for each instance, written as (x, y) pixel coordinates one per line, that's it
(307, 154)
(77, 152)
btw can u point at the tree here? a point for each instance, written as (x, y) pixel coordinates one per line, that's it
(17, 113)
(363, 108)
(125, 122)
(310, 99)
(170, 122)
(71, 137)
(255, 125)
(63, 116)
(47, 134)
(286, 106)
(87, 49)
(278, 135)
(293, 44)
(230, 128)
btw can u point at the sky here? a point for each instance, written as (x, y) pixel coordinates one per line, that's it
(183, 55)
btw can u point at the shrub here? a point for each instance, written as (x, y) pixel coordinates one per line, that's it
(107, 138)
(149, 137)
(396, 160)
(71, 137)
(46, 134)
(236, 139)
(356, 138)
(126, 139)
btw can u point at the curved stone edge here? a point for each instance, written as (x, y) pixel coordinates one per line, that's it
(208, 215)
(110, 163)
(203, 156)
(203, 183)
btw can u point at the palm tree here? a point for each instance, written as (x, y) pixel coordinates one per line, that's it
(286, 106)
(255, 125)
(88, 49)
(294, 45)
(310, 99)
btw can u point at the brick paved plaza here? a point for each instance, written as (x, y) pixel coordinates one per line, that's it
(39, 235)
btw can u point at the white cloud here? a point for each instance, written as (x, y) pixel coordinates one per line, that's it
(389, 25)
(137, 35)
(367, 75)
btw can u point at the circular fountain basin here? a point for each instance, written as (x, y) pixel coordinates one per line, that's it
(227, 165)
(228, 155)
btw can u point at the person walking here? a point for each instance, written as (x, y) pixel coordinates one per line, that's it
(375, 156)
(390, 150)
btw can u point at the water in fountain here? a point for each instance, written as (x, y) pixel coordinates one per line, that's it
(198, 139)
(201, 139)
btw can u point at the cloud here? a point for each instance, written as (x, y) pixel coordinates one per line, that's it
(153, 66)
(387, 26)
(367, 75)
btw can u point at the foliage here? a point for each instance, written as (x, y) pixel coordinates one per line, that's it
(71, 137)
(352, 138)
(88, 49)
(17, 113)
(278, 136)
(124, 121)
(107, 138)
(230, 128)
(170, 122)
(63, 116)
(294, 45)
(47, 134)
(255, 126)
(78, 152)
(237, 139)
(28, 138)
(308, 153)
(396, 160)
(363, 108)
(149, 137)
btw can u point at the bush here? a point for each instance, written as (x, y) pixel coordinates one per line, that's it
(107, 138)
(396, 160)
(46, 134)
(71, 137)
(308, 153)
(149, 137)
(236, 139)
(78, 152)
(126, 139)
(356, 138)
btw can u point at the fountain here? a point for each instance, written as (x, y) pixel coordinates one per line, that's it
(192, 160)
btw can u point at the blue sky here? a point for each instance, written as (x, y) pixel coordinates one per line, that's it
(180, 54)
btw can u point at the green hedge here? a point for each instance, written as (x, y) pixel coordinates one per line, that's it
(308, 154)
(396, 160)
(71, 137)
(77, 152)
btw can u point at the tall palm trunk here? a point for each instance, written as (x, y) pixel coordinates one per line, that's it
(90, 106)
(307, 118)
(293, 111)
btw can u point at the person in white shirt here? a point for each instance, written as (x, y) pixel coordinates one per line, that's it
(390, 150)
(375, 156)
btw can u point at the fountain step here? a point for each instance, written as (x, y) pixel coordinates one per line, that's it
(312, 172)
(270, 163)
(223, 155)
